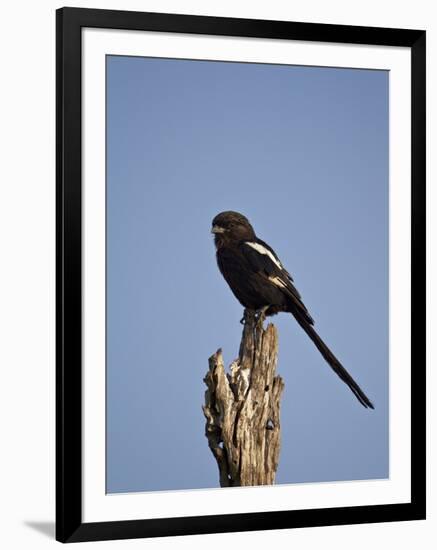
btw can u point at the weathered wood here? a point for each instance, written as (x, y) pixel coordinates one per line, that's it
(242, 408)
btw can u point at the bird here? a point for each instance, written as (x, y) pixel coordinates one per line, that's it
(261, 283)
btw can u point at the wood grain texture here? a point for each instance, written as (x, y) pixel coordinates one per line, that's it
(242, 408)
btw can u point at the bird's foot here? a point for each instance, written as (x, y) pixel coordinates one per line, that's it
(246, 315)
(260, 315)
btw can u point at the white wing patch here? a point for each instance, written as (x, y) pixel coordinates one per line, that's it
(263, 250)
(278, 282)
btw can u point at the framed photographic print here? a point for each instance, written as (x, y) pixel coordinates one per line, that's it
(240, 274)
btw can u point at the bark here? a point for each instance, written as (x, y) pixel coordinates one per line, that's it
(242, 408)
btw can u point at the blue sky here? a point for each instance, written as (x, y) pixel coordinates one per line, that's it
(303, 153)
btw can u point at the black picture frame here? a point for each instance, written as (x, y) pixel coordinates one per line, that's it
(69, 525)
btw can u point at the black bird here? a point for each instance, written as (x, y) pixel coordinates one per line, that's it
(261, 283)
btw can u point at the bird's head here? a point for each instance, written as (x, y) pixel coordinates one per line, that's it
(230, 227)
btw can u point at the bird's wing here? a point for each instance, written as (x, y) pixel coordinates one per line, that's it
(264, 260)
(275, 257)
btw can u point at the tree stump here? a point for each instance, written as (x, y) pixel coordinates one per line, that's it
(242, 408)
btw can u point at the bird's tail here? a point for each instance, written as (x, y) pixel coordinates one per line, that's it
(334, 363)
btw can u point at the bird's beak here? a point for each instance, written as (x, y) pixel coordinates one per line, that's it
(217, 229)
